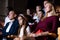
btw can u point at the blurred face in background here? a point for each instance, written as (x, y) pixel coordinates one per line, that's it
(40, 14)
(28, 11)
(38, 8)
(45, 2)
(12, 15)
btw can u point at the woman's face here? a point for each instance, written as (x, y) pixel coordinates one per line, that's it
(48, 7)
(20, 20)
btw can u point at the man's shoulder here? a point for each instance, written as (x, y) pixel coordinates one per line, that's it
(15, 22)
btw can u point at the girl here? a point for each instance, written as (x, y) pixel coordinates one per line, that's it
(24, 30)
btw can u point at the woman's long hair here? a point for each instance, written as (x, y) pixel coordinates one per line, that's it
(52, 12)
(25, 22)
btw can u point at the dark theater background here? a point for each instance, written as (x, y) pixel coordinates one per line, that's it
(21, 5)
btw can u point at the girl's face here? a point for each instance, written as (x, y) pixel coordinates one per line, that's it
(20, 20)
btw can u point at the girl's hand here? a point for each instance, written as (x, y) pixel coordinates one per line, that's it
(32, 35)
(17, 38)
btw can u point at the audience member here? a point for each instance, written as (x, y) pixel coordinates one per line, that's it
(44, 4)
(24, 29)
(11, 27)
(35, 17)
(48, 23)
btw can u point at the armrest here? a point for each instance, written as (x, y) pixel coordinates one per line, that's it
(11, 36)
(53, 35)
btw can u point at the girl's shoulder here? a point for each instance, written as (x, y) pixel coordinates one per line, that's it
(27, 28)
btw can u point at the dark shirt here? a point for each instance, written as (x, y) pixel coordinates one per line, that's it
(48, 24)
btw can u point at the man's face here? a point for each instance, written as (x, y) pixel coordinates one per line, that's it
(11, 15)
(45, 2)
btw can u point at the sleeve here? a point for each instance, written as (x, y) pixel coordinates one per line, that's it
(5, 21)
(28, 30)
(54, 25)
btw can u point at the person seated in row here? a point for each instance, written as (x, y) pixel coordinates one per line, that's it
(35, 16)
(24, 29)
(11, 27)
(40, 16)
(48, 23)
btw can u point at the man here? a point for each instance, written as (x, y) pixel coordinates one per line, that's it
(11, 27)
(44, 4)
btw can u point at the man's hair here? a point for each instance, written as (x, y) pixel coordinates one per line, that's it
(15, 12)
(42, 11)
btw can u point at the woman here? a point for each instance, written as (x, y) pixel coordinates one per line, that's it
(24, 30)
(48, 23)
(35, 16)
